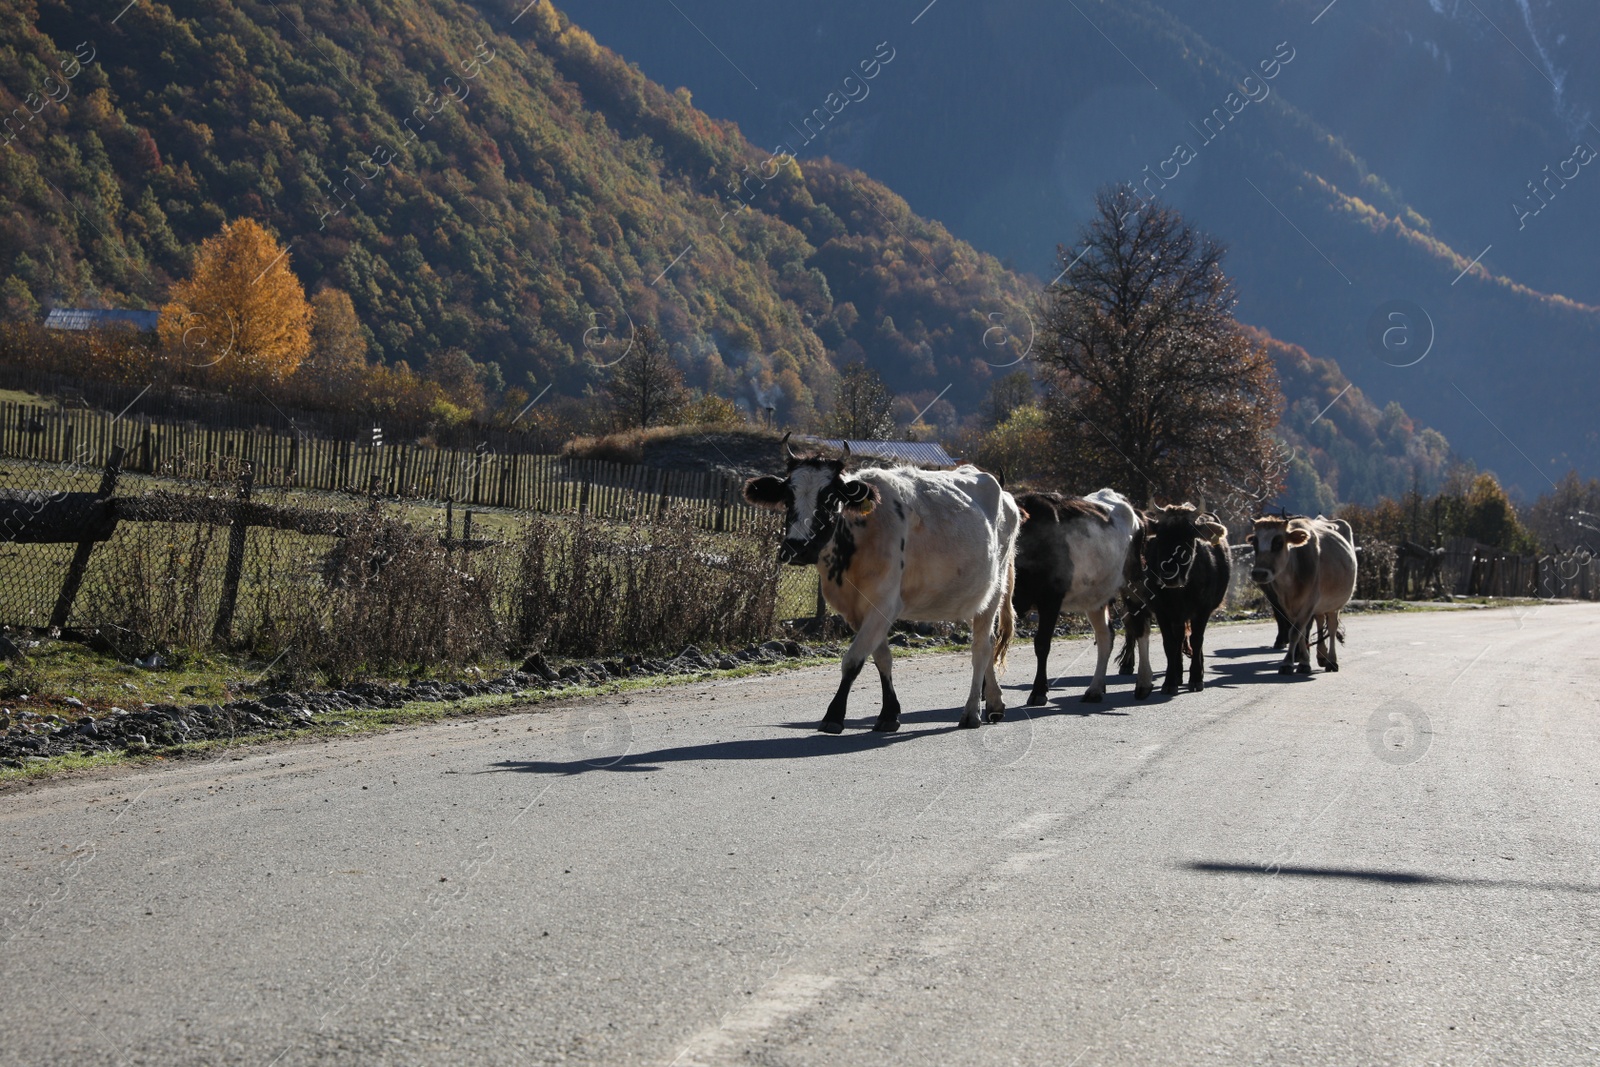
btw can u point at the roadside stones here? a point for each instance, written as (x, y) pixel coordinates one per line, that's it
(27, 735)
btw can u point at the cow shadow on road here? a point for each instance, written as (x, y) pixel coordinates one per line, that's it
(1225, 669)
(858, 737)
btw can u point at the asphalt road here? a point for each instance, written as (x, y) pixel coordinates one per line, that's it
(1398, 863)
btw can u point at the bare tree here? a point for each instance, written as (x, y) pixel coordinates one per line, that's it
(862, 406)
(1154, 389)
(646, 389)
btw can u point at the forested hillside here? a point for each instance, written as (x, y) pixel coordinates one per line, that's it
(496, 185)
(509, 190)
(1350, 154)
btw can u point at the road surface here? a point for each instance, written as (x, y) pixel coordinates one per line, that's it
(1395, 864)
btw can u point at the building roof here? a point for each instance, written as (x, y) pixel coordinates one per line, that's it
(924, 453)
(97, 318)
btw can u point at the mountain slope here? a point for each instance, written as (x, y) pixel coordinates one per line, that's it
(496, 182)
(521, 195)
(1381, 162)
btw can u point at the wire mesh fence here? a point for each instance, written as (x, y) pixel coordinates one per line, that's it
(339, 583)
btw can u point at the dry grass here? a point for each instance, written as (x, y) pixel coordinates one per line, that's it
(628, 446)
(654, 585)
(390, 596)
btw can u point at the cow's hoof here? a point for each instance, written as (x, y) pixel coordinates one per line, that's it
(969, 724)
(1304, 668)
(996, 716)
(828, 726)
(1092, 697)
(886, 727)
(1142, 691)
(1037, 700)
(1332, 668)
(1169, 689)
(1196, 687)
(1285, 668)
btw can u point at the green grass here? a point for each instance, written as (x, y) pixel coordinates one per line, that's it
(357, 721)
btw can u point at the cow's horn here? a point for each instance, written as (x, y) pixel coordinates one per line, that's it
(846, 454)
(785, 443)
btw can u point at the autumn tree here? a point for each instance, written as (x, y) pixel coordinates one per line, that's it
(1018, 448)
(1006, 394)
(1154, 389)
(862, 406)
(338, 356)
(1568, 516)
(646, 386)
(242, 315)
(1488, 516)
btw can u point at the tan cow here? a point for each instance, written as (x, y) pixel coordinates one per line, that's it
(1310, 566)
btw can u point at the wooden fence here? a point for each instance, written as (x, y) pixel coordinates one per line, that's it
(1471, 569)
(475, 477)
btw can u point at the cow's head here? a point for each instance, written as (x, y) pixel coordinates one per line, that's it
(1272, 538)
(811, 495)
(1174, 540)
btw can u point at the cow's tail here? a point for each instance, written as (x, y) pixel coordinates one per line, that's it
(1007, 618)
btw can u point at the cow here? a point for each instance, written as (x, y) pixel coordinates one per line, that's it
(902, 543)
(1185, 574)
(1310, 565)
(1076, 554)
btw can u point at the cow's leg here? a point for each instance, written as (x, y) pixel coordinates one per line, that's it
(1172, 642)
(1282, 638)
(1197, 665)
(874, 630)
(1049, 613)
(1146, 681)
(1100, 619)
(1322, 638)
(1298, 632)
(994, 704)
(1302, 644)
(1333, 641)
(983, 640)
(889, 718)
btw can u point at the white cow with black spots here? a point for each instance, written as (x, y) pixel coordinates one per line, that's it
(931, 546)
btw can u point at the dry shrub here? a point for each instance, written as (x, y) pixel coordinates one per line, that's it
(654, 585)
(156, 585)
(387, 596)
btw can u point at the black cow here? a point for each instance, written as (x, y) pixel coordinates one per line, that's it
(1185, 578)
(1074, 554)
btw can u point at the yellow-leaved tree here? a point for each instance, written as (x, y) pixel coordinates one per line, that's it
(242, 315)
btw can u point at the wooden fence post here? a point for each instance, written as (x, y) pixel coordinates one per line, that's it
(237, 533)
(80, 555)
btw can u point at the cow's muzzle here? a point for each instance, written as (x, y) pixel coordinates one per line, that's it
(798, 553)
(1260, 575)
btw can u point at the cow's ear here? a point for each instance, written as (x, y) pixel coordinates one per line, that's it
(1298, 537)
(1214, 532)
(767, 492)
(860, 497)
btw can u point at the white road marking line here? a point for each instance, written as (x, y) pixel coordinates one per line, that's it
(1032, 826)
(784, 997)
